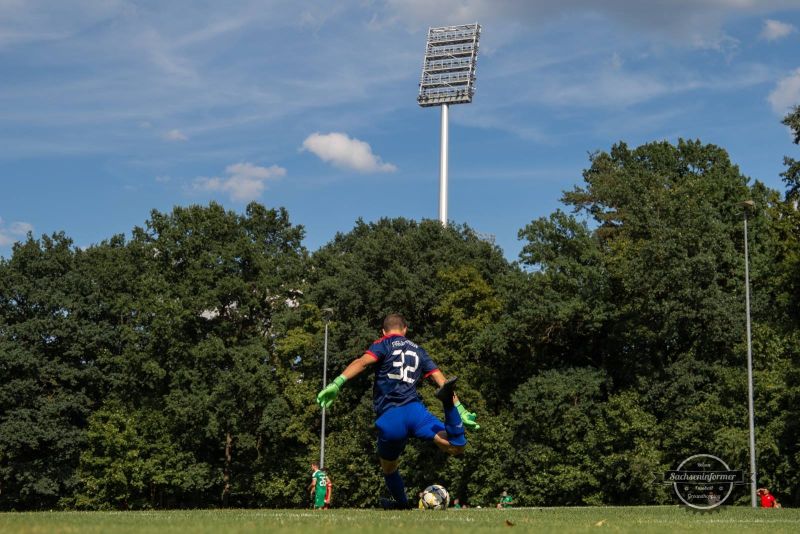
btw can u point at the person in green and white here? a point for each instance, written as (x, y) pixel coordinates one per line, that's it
(506, 500)
(320, 487)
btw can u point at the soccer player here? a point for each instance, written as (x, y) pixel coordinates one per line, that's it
(328, 492)
(506, 500)
(767, 499)
(401, 364)
(319, 485)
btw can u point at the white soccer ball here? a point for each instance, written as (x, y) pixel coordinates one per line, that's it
(435, 498)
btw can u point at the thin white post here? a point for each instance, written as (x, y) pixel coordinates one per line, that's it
(324, 383)
(749, 369)
(443, 168)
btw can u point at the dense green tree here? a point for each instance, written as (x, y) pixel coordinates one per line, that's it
(781, 459)
(132, 461)
(578, 444)
(442, 280)
(669, 218)
(202, 353)
(570, 301)
(650, 290)
(47, 342)
(791, 176)
(179, 368)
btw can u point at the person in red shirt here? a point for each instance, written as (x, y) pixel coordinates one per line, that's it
(767, 499)
(328, 493)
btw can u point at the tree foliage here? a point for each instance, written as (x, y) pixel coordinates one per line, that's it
(177, 368)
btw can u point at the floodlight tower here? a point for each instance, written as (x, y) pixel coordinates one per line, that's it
(448, 77)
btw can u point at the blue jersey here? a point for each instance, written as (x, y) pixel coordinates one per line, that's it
(400, 365)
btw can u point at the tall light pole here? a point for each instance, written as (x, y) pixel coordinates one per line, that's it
(448, 77)
(748, 205)
(445, 142)
(328, 312)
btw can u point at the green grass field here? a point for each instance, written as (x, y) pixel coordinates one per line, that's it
(671, 519)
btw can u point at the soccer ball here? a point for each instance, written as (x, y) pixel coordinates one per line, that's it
(435, 498)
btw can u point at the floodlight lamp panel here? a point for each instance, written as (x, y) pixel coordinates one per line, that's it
(448, 69)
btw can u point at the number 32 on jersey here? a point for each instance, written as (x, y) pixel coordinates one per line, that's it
(407, 362)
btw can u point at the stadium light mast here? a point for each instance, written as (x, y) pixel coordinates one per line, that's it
(328, 313)
(749, 205)
(448, 77)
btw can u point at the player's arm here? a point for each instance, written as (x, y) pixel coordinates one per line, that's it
(467, 417)
(356, 367)
(438, 378)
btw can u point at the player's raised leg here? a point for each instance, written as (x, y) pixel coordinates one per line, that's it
(453, 424)
(441, 441)
(429, 427)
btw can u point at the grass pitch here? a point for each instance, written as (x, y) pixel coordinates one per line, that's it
(646, 519)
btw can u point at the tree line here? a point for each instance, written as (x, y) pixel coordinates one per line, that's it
(178, 367)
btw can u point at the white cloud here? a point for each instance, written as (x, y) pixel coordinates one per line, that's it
(245, 181)
(26, 21)
(346, 152)
(175, 135)
(786, 94)
(14, 232)
(698, 23)
(185, 69)
(21, 228)
(609, 87)
(775, 29)
(616, 61)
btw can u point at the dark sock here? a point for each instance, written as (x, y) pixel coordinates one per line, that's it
(454, 427)
(445, 393)
(396, 487)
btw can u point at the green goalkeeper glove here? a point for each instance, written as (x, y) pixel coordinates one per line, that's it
(468, 418)
(326, 396)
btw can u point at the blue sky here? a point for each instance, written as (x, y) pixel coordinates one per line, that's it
(112, 108)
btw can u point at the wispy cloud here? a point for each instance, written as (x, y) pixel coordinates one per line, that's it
(175, 135)
(244, 181)
(119, 62)
(32, 21)
(786, 94)
(775, 29)
(14, 232)
(698, 23)
(613, 86)
(346, 152)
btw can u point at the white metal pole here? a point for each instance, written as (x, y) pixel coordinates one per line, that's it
(443, 169)
(749, 369)
(324, 384)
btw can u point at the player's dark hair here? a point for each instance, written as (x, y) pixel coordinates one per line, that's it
(394, 321)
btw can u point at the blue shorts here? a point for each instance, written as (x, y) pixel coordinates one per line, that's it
(396, 424)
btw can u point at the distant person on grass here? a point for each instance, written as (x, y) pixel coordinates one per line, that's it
(506, 500)
(398, 407)
(320, 488)
(767, 499)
